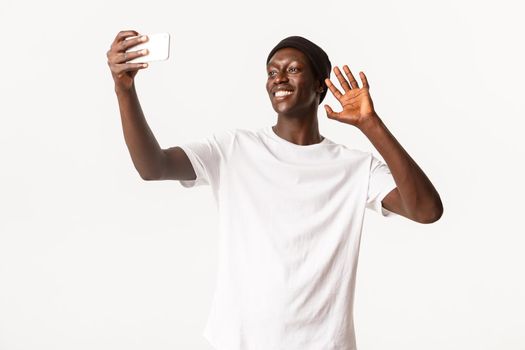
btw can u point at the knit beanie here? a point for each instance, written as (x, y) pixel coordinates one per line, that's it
(318, 58)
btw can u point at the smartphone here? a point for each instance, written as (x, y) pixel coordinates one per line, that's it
(158, 46)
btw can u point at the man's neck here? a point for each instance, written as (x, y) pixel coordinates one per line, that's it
(299, 131)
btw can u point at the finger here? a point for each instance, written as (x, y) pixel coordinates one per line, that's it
(342, 79)
(350, 76)
(333, 89)
(123, 34)
(128, 67)
(330, 112)
(128, 43)
(364, 80)
(123, 57)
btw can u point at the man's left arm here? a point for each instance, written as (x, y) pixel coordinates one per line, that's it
(415, 197)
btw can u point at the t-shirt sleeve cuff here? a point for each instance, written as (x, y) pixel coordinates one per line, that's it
(385, 212)
(197, 168)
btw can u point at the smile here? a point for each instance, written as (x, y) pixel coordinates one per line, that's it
(282, 93)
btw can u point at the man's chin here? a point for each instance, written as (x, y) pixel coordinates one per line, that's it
(283, 108)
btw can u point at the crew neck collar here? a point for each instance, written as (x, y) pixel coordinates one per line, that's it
(273, 135)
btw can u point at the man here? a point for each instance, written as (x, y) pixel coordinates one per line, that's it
(291, 201)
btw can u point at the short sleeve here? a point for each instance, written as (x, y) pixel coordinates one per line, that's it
(381, 182)
(207, 155)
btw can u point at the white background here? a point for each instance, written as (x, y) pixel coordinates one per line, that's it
(93, 257)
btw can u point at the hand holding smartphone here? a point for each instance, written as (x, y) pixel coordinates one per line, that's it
(158, 46)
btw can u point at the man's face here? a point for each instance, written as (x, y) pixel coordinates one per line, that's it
(292, 79)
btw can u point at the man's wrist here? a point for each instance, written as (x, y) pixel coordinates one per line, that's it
(124, 92)
(370, 123)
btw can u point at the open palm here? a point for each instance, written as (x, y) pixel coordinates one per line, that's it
(356, 102)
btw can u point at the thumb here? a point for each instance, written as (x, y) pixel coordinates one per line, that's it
(330, 112)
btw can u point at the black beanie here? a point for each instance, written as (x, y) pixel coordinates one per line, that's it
(318, 58)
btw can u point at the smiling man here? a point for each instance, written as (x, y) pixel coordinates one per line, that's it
(291, 201)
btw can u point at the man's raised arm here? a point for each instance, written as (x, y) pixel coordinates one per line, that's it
(151, 162)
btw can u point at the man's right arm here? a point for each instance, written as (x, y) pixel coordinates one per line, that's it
(151, 162)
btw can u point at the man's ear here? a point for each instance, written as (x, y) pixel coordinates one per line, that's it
(320, 87)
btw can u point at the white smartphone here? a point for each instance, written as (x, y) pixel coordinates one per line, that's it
(158, 46)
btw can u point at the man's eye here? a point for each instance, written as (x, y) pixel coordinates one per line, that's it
(293, 69)
(270, 74)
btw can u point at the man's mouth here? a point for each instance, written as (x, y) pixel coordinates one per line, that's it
(282, 93)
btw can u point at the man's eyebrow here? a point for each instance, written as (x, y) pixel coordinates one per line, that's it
(295, 60)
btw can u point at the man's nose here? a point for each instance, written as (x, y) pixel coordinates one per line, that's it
(281, 76)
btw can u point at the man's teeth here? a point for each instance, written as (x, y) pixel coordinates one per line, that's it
(282, 93)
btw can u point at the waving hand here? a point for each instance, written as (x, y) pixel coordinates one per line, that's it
(356, 102)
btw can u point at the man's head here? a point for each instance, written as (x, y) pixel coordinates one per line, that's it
(297, 63)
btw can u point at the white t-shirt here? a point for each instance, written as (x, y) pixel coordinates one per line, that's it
(290, 220)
